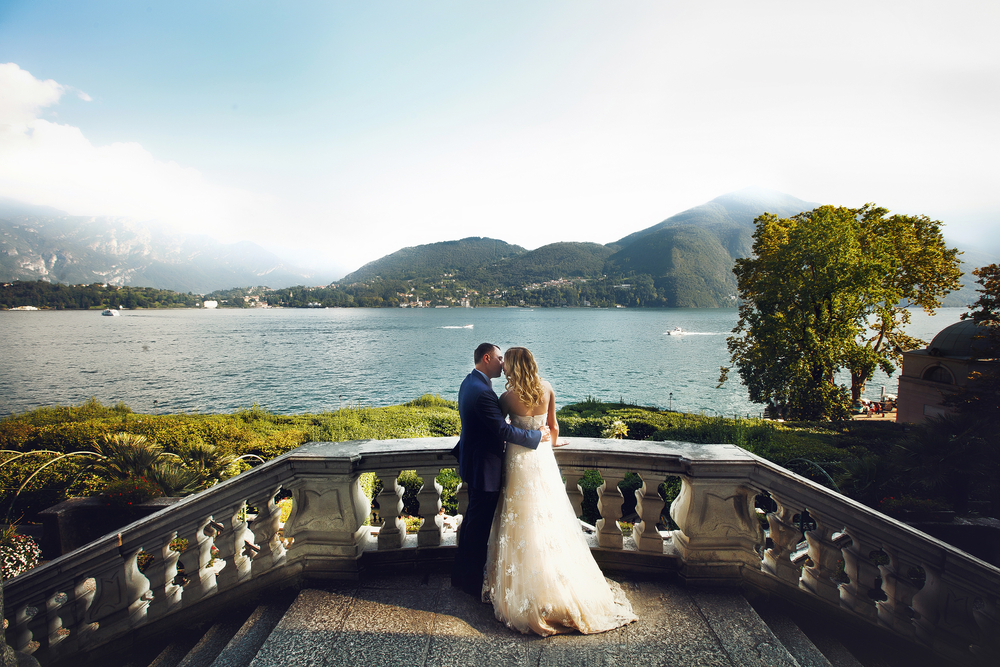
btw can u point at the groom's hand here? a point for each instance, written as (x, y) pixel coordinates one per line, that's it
(546, 435)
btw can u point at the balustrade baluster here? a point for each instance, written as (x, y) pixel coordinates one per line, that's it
(573, 489)
(137, 587)
(785, 537)
(429, 498)
(161, 573)
(62, 620)
(649, 507)
(824, 555)
(462, 499)
(231, 543)
(393, 529)
(609, 504)
(270, 551)
(199, 575)
(28, 625)
(857, 594)
(895, 611)
(84, 592)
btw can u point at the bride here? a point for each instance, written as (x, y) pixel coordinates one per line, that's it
(540, 574)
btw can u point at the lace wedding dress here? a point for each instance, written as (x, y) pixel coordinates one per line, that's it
(540, 574)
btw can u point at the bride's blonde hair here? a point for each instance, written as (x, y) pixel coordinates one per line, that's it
(522, 376)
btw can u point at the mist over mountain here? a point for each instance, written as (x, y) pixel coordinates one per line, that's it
(40, 243)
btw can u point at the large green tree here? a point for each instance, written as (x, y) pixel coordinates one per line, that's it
(916, 268)
(823, 291)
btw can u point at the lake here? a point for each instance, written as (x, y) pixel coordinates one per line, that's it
(298, 360)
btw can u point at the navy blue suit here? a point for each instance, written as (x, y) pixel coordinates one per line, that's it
(480, 451)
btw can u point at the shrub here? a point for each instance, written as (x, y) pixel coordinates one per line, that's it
(130, 492)
(18, 553)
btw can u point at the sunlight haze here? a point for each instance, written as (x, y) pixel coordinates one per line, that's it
(334, 133)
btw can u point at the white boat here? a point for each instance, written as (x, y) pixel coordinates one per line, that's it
(676, 331)
(110, 313)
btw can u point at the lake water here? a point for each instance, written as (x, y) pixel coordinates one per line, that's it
(296, 360)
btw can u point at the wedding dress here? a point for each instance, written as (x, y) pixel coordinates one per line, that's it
(540, 574)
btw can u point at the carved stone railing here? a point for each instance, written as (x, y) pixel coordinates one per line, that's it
(859, 562)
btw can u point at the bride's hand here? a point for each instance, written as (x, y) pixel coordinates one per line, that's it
(561, 443)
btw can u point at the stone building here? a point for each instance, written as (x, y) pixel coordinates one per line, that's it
(931, 374)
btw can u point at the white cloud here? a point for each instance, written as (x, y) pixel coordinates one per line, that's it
(52, 164)
(24, 95)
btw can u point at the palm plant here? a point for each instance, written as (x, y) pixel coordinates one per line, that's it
(125, 455)
(209, 463)
(174, 479)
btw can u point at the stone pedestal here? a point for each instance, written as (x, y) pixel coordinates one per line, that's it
(77, 521)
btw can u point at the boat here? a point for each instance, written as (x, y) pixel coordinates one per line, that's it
(676, 331)
(110, 313)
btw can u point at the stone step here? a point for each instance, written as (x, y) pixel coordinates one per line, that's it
(409, 620)
(820, 640)
(418, 619)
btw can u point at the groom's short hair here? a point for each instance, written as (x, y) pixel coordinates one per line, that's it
(482, 351)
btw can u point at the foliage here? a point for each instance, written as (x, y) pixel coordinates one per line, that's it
(125, 456)
(868, 460)
(618, 430)
(123, 493)
(817, 284)
(916, 268)
(896, 506)
(18, 553)
(195, 450)
(56, 296)
(979, 401)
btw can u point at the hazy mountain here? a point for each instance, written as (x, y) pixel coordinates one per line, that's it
(689, 265)
(38, 243)
(434, 259)
(729, 217)
(690, 255)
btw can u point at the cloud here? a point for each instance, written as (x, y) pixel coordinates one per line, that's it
(52, 164)
(24, 95)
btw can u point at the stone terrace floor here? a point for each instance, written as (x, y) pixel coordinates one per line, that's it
(421, 620)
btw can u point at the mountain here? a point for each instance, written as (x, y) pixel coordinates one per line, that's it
(558, 260)
(690, 255)
(689, 265)
(38, 243)
(434, 259)
(729, 217)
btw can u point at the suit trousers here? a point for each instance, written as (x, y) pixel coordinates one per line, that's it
(473, 541)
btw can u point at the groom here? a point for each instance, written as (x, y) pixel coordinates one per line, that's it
(480, 452)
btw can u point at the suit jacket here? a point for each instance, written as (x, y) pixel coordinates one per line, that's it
(480, 447)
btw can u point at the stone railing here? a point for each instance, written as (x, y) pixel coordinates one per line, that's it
(226, 543)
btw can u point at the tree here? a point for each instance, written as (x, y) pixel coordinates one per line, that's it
(816, 285)
(916, 269)
(979, 401)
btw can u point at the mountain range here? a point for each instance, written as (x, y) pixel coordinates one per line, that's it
(39, 243)
(686, 259)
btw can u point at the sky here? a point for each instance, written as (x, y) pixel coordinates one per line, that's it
(333, 133)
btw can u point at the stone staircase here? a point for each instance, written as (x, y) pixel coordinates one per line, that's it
(420, 620)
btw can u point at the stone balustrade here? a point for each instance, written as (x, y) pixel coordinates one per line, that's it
(228, 542)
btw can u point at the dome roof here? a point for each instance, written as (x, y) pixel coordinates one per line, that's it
(958, 340)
